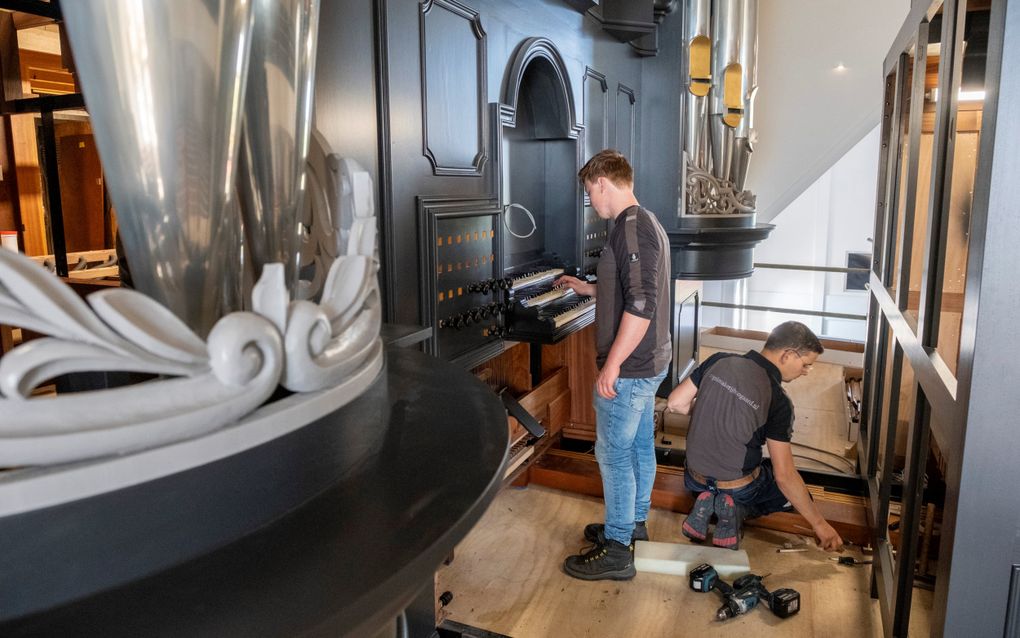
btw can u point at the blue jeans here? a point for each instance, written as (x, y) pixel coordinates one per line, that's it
(759, 497)
(625, 450)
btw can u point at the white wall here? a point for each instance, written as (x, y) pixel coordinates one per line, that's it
(852, 195)
(833, 216)
(807, 114)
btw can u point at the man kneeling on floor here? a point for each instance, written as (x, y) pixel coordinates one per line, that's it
(741, 406)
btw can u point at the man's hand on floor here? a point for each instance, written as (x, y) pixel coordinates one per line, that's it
(828, 538)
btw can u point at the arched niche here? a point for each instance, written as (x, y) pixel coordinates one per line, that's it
(539, 153)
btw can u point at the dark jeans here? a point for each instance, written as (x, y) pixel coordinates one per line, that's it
(759, 497)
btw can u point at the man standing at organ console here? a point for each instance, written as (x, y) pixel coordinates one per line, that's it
(633, 348)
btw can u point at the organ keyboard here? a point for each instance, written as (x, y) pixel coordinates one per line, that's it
(534, 278)
(531, 309)
(543, 298)
(541, 313)
(584, 306)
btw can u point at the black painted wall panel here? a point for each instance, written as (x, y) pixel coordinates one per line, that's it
(352, 85)
(452, 59)
(660, 103)
(345, 104)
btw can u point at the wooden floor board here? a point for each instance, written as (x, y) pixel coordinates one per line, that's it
(506, 577)
(579, 473)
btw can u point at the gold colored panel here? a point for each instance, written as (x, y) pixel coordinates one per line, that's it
(733, 94)
(700, 62)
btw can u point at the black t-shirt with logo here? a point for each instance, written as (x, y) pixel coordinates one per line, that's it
(740, 403)
(634, 276)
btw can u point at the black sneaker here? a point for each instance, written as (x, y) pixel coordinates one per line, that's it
(595, 533)
(612, 561)
(696, 525)
(727, 527)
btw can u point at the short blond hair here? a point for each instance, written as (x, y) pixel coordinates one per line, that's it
(610, 164)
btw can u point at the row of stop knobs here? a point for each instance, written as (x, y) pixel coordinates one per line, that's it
(475, 315)
(491, 284)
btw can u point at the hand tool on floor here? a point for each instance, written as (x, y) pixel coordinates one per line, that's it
(789, 547)
(745, 593)
(849, 560)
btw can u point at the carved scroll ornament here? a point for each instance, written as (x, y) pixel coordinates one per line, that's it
(203, 385)
(709, 195)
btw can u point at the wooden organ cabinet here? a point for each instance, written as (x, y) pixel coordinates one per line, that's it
(489, 264)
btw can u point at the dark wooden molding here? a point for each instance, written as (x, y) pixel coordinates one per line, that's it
(439, 165)
(582, 5)
(504, 114)
(386, 221)
(592, 74)
(627, 20)
(631, 96)
(598, 77)
(431, 210)
(648, 44)
(528, 51)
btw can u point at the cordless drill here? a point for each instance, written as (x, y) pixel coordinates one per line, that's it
(745, 593)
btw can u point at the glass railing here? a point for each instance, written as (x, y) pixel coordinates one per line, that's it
(831, 300)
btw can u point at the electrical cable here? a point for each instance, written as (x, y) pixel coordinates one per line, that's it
(506, 220)
(828, 465)
(849, 463)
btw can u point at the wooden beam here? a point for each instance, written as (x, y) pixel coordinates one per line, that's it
(10, 65)
(575, 472)
(758, 335)
(537, 401)
(30, 9)
(6, 339)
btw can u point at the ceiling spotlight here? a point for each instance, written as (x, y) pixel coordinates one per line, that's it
(839, 68)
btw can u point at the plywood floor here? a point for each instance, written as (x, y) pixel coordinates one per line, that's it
(506, 577)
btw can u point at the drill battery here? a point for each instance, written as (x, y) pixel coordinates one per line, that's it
(703, 578)
(745, 593)
(784, 602)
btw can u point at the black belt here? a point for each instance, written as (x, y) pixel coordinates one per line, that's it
(726, 485)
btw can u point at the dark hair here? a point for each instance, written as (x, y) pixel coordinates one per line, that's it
(610, 164)
(793, 335)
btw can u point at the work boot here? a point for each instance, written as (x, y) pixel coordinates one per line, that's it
(595, 533)
(727, 527)
(696, 525)
(611, 561)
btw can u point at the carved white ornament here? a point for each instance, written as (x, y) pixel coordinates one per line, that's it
(203, 386)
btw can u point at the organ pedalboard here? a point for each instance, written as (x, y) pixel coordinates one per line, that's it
(529, 308)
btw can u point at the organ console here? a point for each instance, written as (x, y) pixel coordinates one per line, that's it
(530, 308)
(540, 312)
(553, 321)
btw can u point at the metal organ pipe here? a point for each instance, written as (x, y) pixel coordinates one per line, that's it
(698, 46)
(726, 106)
(720, 43)
(749, 69)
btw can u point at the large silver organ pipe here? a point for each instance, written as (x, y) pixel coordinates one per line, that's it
(720, 46)
(726, 105)
(720, 43)
(698, 50)
(749, 71)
